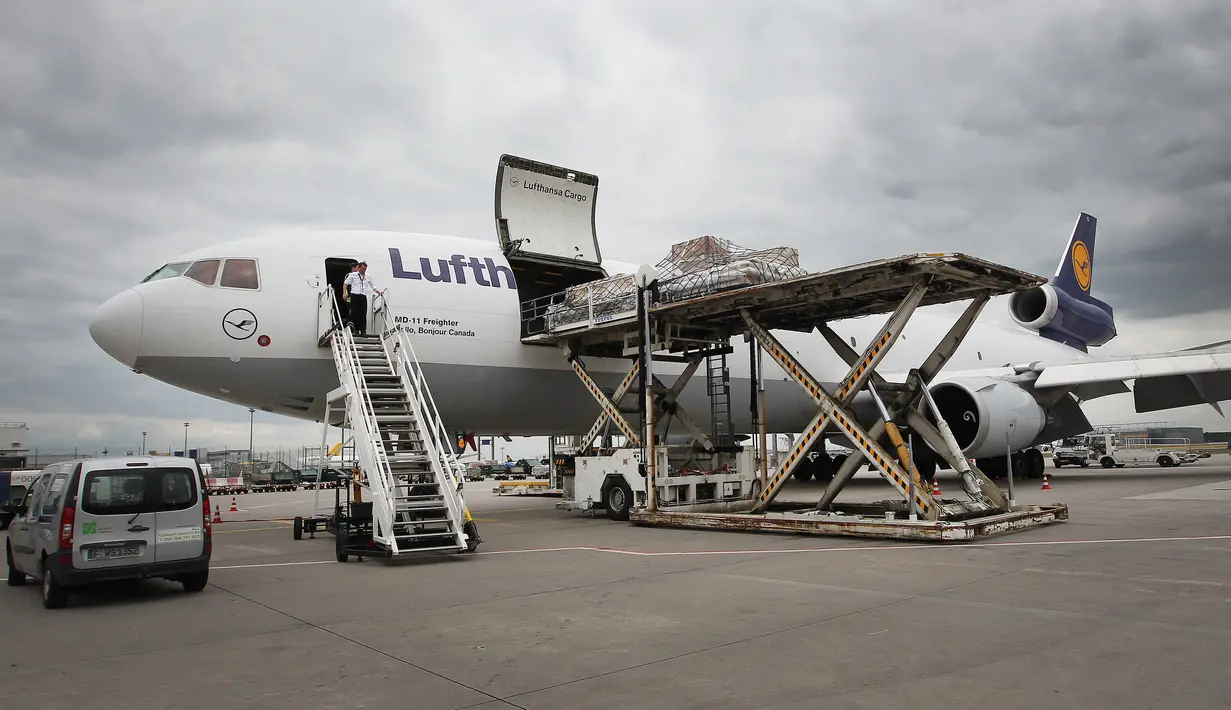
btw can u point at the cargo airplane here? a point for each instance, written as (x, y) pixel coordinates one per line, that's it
(239, 322)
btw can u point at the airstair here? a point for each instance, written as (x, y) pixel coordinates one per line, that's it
(409, 472)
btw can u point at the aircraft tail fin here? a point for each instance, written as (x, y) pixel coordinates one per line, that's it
(1075, 274)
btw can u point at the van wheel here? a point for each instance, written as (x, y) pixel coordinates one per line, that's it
(195, 582)
(1108, 462)
(55, 596)
(16, 576)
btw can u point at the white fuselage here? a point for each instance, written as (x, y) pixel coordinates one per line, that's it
(466, 334)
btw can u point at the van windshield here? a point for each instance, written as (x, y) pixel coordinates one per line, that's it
(128, 491)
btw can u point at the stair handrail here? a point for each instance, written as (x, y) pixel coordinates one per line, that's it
(436, 438)
(372, 455)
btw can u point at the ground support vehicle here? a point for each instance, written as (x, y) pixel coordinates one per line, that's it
(710, 485)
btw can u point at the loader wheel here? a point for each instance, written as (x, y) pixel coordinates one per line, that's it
(618, 500)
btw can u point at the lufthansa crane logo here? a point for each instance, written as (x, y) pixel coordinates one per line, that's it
(239, 324)
(1081, 265)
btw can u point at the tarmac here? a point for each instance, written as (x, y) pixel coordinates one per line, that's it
(1127, 605)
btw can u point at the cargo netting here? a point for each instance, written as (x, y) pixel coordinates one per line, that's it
(694, 268)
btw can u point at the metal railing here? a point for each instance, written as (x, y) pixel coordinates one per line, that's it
(369, 447)
(437, 441)
(578, 307)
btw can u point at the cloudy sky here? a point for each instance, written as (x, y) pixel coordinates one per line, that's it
(130, 132)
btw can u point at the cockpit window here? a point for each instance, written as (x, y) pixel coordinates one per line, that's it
(205, 271)
(167, 271)
(240, 273)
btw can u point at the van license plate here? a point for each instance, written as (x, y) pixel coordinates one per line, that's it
(114, 553)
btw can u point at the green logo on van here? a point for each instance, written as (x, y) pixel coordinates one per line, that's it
(89, 528)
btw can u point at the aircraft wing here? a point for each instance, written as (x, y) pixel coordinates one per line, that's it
(1160, 381)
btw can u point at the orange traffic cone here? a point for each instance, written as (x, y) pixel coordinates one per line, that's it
(1046, 485)
(233, 508)
(935, 488)
(217, 515)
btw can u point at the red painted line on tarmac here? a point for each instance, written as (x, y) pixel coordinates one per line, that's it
(256, 520)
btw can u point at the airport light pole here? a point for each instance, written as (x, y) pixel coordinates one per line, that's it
(251, 415)
(185, 439)
(143, 442)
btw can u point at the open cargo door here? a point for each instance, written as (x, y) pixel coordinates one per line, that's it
(545, 213)
(545, 223)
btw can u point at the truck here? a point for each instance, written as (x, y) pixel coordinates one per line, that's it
(216, 486)
(277, 476)
(13, 488)
(1112, 451)
(1073, 451)
(330, 478)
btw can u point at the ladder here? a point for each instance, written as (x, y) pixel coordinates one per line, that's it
(718, 387)
(412, 475)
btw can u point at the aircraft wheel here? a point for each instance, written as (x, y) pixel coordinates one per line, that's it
(925, 461)
(823, 467)
(838, 461)
(1036, 465)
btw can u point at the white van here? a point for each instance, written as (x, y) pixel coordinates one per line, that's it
(99, 520)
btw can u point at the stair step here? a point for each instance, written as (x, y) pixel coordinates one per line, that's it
(420, 507)
(421, 536)
(429, 549)
(433, 524)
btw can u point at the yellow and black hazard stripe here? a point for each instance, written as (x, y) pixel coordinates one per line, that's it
(602, 418)
(796, 453)
(869, 448)
(606, 404)
(863, 366)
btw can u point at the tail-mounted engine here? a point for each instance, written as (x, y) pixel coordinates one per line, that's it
(1055, 314)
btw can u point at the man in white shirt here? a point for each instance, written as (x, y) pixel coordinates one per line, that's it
(357, 289)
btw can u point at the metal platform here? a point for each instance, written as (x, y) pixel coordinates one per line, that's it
(830, 524)
(799, 304)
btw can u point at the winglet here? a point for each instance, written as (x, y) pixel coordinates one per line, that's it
(1075, 273)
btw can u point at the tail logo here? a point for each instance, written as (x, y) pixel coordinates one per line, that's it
(1082, 267)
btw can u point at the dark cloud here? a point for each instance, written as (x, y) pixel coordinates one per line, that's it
(130, 133)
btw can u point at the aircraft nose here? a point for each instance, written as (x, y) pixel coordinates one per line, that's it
(116, 326)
